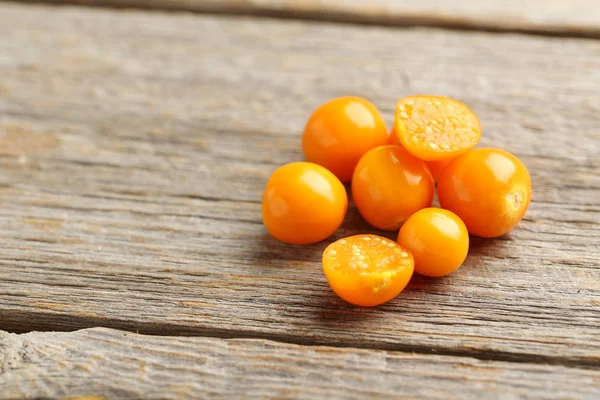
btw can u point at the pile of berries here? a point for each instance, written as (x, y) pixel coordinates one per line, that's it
(484, 192)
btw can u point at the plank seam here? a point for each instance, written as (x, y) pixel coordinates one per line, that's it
(397, 21)
(479, 354)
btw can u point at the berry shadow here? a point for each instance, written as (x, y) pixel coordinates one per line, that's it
(266, 251)
(332, 312)
(490, 247)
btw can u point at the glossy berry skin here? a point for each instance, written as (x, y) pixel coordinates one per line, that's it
(394, 140)
(434, 128)
(389, 185)
(367, 270)
(303, 203)
(340, 131)
(438, 240)
(435, 167)
(489, 189)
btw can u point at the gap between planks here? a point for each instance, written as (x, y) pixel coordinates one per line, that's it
(155, 329)
(559, 18)
(115, 364)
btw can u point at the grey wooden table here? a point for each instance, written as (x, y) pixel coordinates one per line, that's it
(134, 148)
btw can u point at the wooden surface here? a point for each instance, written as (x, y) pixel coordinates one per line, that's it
(563, 17)
(134, 147)
(114, 364)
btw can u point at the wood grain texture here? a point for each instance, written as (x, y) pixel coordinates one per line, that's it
(134, 148)
(557, 17)
(113, 364)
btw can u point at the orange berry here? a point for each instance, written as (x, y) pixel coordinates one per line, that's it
(394, 140)
(435, 167)
(340, 131)
(303, 203)
(389, 185)
(438, 240)
(489, 189)
(434, 128)
(367, 270)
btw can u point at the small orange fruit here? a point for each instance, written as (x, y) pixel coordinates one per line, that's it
(389, 185)
(489, 189)
(394, 140)
(435, 167)
(303, 203)
(438, 240)
(340, 131)
(367, 270)
(434, 128)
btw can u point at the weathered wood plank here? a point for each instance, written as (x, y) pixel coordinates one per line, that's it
(562, 17)
(135, 147)
(114, 364)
